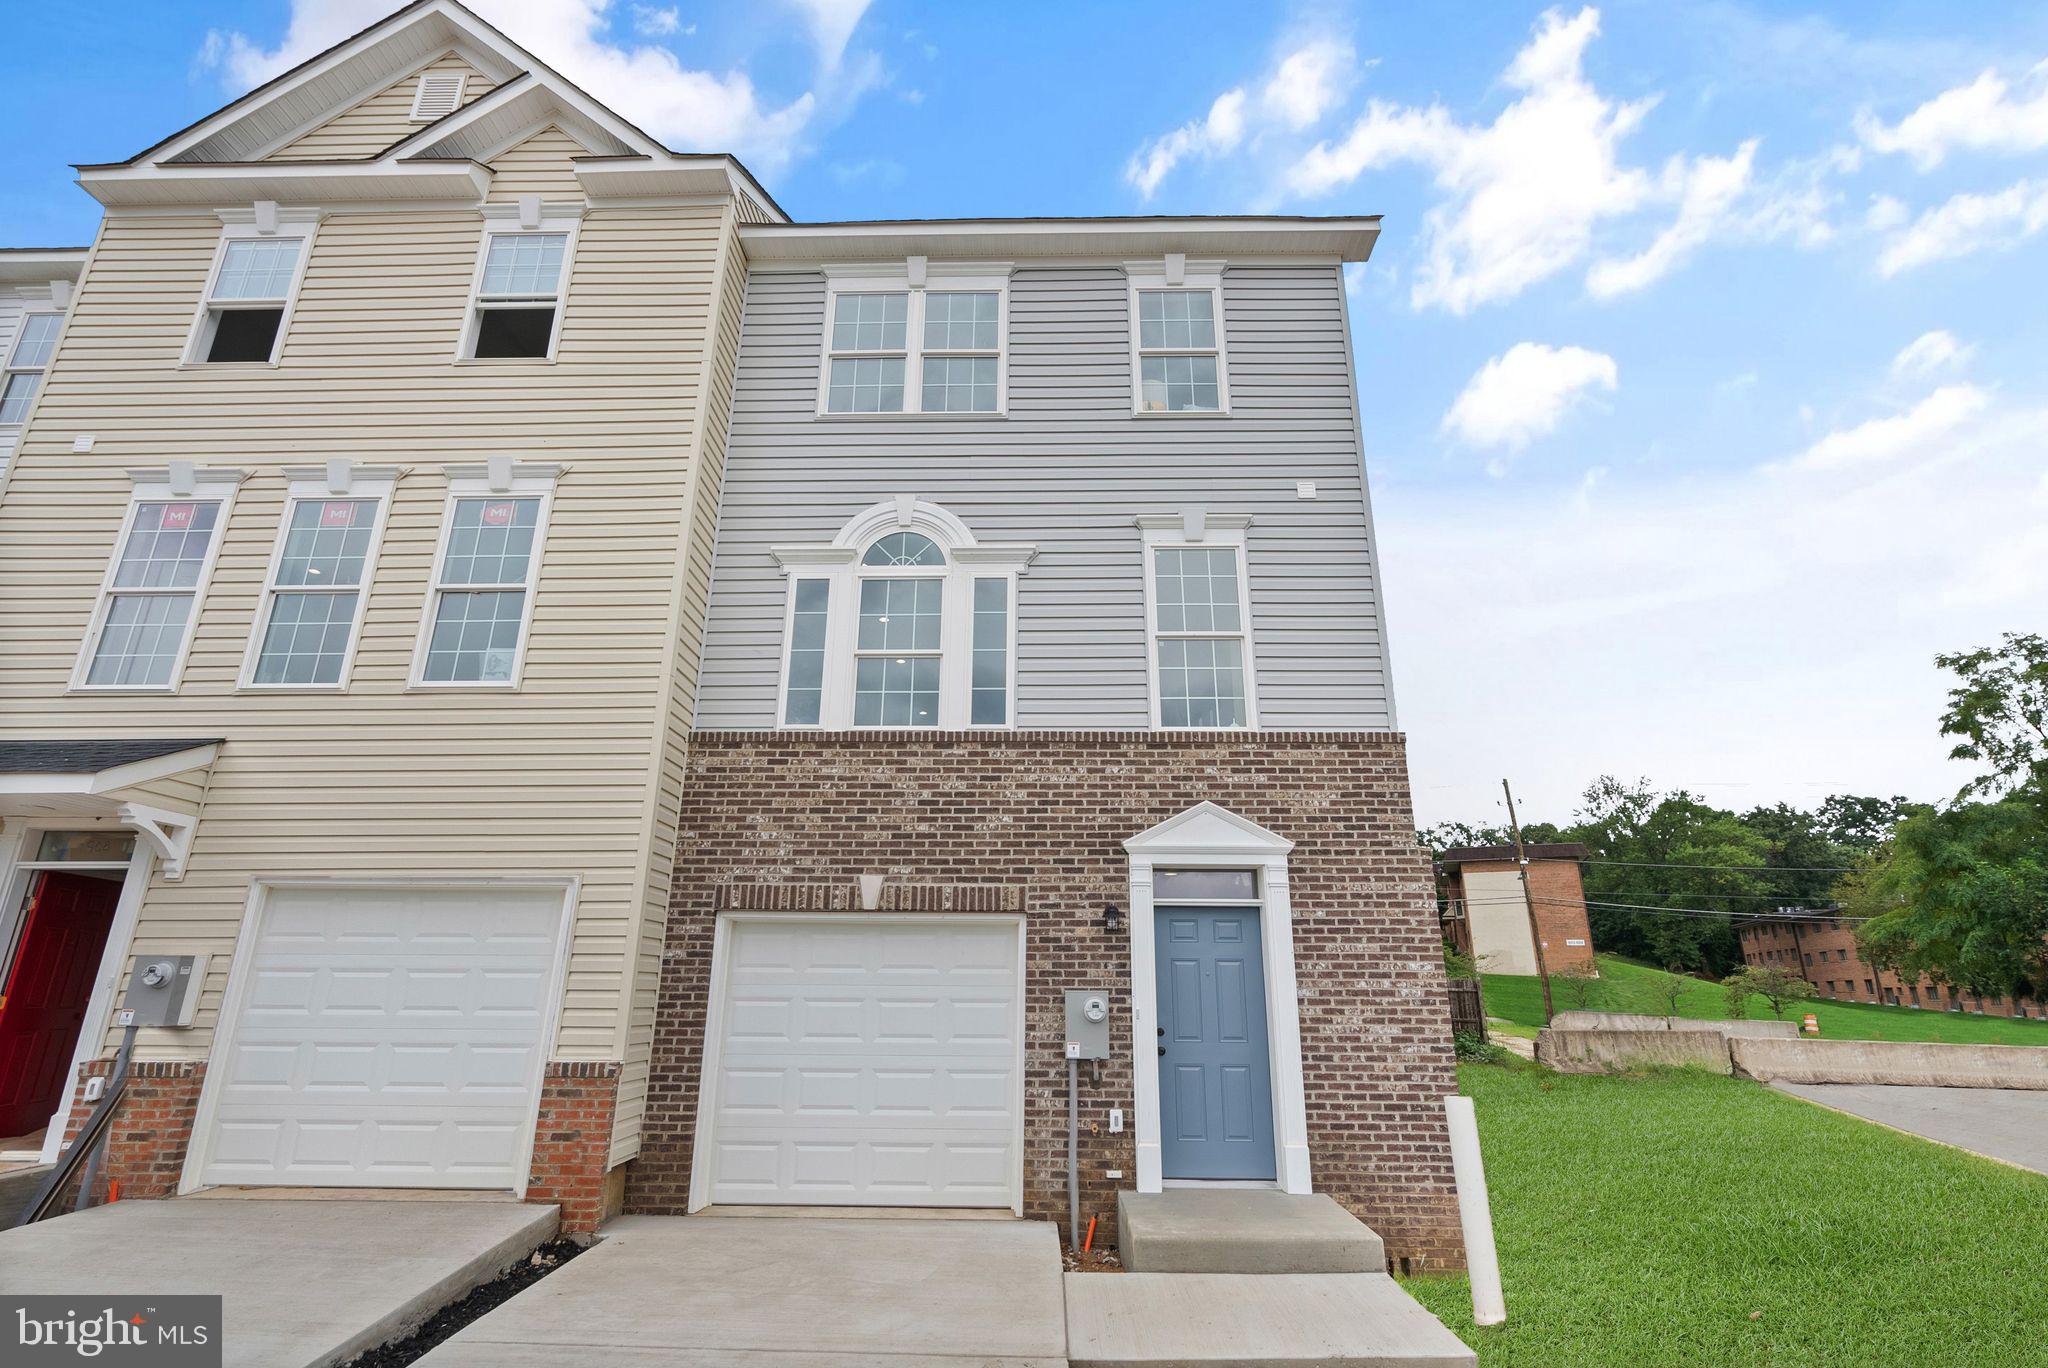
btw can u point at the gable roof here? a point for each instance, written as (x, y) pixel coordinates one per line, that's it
(220, 155)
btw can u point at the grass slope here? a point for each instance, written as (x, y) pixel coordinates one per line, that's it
(1626, 986)
(1681, 1218)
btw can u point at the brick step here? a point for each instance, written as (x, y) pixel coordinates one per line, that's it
(1241, 1320)
(1241, 1230)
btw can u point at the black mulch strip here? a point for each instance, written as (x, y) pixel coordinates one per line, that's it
(475, 1306)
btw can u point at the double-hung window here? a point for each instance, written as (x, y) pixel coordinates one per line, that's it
(253, 285)
(142, 625)
(901, 622)
(480, 603)
(1201, 666)
(26, 361)
(320, 575)
(1177, 342)
(934, 346)
(516, 306)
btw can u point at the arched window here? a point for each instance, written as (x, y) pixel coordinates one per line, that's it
(904, 620)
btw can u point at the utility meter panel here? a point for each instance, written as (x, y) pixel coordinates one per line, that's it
(163, 990)
(1087, 1023)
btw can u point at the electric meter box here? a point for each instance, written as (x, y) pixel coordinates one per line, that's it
(163, 990)
(1087, 1023)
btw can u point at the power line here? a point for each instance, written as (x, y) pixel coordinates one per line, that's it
(1805, 914)
(1743, 869)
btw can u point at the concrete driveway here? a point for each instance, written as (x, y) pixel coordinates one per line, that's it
(304, 1283)
(820, 1292)
(1999, 1123)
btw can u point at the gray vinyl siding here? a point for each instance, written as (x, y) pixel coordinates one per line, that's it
(1069, 469)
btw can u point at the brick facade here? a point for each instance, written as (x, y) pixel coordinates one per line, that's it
(1560, 897)
(152, 1126)
(572, 1140)
(1823, 951)
(1034, 822)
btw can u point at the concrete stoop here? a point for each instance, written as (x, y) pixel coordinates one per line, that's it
(1242, 1320)
(18, 1186)
(1242, 1230)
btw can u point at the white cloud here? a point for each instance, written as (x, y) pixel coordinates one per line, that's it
(1968, 223)
(1524, 193)
(1756, 634)
(1525, 393)
(687, 109)
(1983, 116)
(1707, 190)
(1928, 353)
(1215, 135)
(650, 22)
(1884, 441)
(1303, 87)
(1886, 212)
(1308, 82)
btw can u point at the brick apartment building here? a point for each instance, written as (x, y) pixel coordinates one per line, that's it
(1486, 916)
(1823, 951)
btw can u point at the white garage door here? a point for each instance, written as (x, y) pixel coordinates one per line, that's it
(868, 1063)
(387, 1038)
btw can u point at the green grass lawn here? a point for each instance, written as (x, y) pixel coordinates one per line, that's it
(1681, 1218)
(1626, 986)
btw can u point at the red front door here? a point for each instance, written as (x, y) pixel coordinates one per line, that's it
(43, 1007)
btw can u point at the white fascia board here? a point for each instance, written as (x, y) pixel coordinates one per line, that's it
(39, 266)
(202, 184)
(1338, 239)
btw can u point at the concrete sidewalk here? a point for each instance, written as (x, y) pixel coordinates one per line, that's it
(305, 1283)
(1999, 1123)
(701, 1292)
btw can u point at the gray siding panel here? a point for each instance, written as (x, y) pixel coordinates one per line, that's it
(1069, 469)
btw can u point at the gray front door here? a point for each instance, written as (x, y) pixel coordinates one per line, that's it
(1215, 1088)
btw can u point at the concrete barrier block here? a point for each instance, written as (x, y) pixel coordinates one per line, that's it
(1615, 1051)
(1895, 1062)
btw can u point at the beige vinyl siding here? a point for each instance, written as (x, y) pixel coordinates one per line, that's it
(379, 121)
(690, 593)
(538, 166)
(557, 778)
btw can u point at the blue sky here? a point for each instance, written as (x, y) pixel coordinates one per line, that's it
(1701, 359)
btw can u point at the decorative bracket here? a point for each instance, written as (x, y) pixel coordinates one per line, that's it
(168, 833)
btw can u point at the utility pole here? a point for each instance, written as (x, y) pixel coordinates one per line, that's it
(1529, 902)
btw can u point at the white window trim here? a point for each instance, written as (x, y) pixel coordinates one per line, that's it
(527, 216)
(1174, 273)
(321, 483)
(838, 563)
(262, 221)
(8, 370)
(499, 478)
(419, 92)
(1189, 530)
(1207, 836)
(179, 483)
(915, 279)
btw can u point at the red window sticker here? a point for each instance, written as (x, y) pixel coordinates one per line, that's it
(498, 513)
(337, 513)
(178, 517)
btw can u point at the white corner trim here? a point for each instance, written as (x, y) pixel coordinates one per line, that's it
(1210, 836)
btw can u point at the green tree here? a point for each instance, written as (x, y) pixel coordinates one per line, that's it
(1778, 986)
(1960, 895)
(1861, 824)
(1673, 852)
(1999, 707)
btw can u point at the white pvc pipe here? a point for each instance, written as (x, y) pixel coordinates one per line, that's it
(1475, 1214)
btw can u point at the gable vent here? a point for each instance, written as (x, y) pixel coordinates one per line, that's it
(438, 94)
